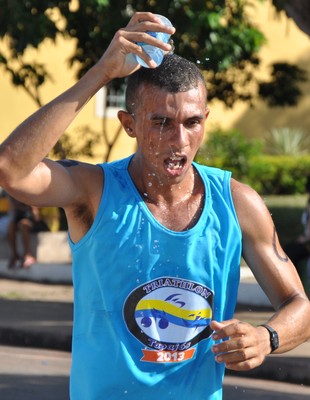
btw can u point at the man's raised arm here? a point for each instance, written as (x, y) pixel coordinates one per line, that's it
(24, 172)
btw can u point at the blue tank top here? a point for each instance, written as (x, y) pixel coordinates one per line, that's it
(144, 295)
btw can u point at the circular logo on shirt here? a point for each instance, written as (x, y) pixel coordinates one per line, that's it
(169, 313)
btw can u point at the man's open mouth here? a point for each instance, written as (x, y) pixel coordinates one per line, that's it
(175, 162)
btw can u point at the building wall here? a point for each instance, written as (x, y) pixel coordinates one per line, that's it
(16, 105)
(285, 43)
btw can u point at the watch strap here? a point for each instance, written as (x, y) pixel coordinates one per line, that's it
(274, 338)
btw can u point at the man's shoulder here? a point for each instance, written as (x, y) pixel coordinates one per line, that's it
(246, 199)
(216, 176)
(210, 170)
(120, 164)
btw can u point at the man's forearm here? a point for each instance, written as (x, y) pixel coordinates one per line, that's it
(32, 140)
(291, 323)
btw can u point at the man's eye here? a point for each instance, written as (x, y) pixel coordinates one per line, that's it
(193, 122)
(162, 122)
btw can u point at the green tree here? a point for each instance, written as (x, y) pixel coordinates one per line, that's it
(287, 141)
(229, 150)
(218, 35)
(283, 87)
(24, 24)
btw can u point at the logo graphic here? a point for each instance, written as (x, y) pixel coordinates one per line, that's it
(169, 316)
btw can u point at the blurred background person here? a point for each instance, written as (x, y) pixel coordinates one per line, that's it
(4, 214)
(25, 220)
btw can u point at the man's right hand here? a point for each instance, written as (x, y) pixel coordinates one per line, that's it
(24, 171)
(119, 59)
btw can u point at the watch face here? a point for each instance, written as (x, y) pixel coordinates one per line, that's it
(274, 340)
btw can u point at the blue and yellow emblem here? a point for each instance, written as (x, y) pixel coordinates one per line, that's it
(169, 313)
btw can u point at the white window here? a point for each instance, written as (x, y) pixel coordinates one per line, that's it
(108, 101)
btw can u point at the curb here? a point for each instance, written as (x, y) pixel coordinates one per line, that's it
(249, 293)
(37, 340)
(40, 272)
(280, 368)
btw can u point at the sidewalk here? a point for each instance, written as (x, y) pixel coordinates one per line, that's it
(54, 273)
(36, 311)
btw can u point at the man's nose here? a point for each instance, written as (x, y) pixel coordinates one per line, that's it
(179, 135)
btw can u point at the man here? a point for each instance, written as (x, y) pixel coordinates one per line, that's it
(156, 240)
(22, 220)
(5, 217)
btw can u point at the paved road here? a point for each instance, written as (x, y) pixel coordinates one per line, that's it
(257, 389)
(32, 374)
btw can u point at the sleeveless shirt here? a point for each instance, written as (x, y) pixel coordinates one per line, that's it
(144, 295)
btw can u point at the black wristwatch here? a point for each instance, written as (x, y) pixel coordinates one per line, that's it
(274, 338)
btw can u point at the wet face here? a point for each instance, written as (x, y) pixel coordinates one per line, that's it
(169, 128)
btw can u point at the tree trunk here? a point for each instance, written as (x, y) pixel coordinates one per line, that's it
(299, 11)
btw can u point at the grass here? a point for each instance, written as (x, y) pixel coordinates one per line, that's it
(286, 212)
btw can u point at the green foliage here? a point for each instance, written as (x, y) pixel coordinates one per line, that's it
(218, 35)
(29, 76)
(268, 174)
(26, 23)
(84, 141)
(229, 150)
(286, 211)
(279, 174)
(287, 141)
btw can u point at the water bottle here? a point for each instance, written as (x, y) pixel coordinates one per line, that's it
(155, 53)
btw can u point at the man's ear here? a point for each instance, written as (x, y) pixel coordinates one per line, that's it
(207, 112)
(127, 122)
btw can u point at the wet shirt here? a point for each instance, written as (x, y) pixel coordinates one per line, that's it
(145, 295)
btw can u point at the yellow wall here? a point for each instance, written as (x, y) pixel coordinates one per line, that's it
(285, 43)
(16, 105)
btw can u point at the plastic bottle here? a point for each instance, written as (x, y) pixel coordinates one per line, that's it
(154, 52)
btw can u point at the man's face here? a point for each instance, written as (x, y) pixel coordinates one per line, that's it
(169, 128)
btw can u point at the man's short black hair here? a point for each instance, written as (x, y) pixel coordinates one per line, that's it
(174, 74)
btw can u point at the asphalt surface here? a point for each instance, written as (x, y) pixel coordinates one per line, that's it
(38, 315)
(36, 374)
